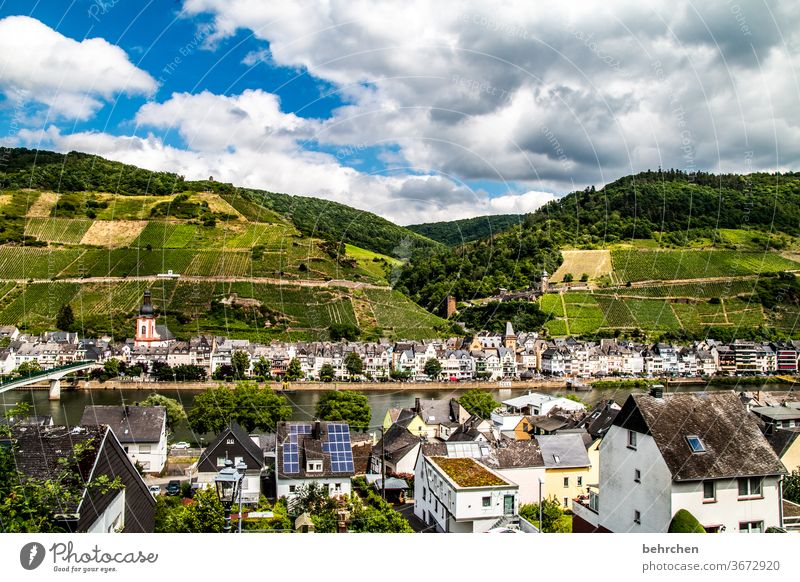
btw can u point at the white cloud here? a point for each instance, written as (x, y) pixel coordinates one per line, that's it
(72, 78)
(570, 94)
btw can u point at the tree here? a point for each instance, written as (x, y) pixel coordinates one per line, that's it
(554, 520)
(791, 487)
(294, 371)
(479, 403)
(262, 369)
(326, 373)
(344, 331)
(205, 514)
(353, 364)
(65, 321)
(433, 368)
(585, 277)
(684, 522)
(246, 404)
(223, 372)
(175, 411)
(347, 406)
(28, 368)
(568, 278)
(240, 362)
(111, 368)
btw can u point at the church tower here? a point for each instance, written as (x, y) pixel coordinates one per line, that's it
(510, 338)
(146, 333)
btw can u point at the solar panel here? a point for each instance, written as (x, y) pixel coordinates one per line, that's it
(339, 448)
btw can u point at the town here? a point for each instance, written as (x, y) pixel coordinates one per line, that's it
(154, 353)
(656, 461)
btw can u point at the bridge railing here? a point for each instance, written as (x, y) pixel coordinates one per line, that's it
(47, 372)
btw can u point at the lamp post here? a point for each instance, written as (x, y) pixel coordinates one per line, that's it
(541, 526)
(227, 482)
(241, 468)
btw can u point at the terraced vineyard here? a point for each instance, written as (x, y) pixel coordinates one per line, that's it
(642, 265)
(57, 230)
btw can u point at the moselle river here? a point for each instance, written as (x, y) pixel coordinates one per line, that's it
(69, 409)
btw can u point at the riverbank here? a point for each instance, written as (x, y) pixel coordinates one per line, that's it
(548, 385)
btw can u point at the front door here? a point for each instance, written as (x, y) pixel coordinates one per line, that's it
(508, 505)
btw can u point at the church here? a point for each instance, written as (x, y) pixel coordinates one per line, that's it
(148, 334)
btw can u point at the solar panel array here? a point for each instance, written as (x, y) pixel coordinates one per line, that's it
(339, 448)
(291, 453)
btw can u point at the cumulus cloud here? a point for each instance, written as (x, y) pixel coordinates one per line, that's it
(72, 78)
(572, 94)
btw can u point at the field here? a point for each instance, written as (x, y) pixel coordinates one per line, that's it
(640, 265)
(594, 263)
(57, 230)
(112, 233)
(698, 289)
(394, 316)
(42, 206)
(584, 313)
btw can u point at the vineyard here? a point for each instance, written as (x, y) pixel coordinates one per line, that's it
(699, 289)
(57, 230)
(641, 265)
(395, 316)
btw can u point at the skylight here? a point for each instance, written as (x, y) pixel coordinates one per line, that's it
(695, 444)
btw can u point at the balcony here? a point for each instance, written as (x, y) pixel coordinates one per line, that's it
(585, 506)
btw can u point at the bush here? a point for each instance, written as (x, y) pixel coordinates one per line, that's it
(685, 522)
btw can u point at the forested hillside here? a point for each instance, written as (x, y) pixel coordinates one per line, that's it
(456, 232)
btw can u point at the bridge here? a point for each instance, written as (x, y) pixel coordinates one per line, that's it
(52, 375)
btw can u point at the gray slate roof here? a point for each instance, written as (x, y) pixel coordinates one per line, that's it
(131, 424)
(563, 450)
(735, 446)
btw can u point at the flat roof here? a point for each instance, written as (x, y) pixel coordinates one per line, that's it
(466, 472)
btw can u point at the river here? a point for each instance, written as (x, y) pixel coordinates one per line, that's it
(69, 409)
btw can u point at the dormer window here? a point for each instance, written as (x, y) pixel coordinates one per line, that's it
(314, 467)
(695, 444)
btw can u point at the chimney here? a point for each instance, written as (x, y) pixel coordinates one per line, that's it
(417, 405)
(317, 430)
(657, 391)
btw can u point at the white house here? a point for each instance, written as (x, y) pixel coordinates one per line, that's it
(313, 452)
(142, 431)
(701, 452)
(460, 494)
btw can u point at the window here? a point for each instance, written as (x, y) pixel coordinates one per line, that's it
(751, 526)
(337, 487)
(144, 449)
(631, 439)
(487, 501)
(144, 330)
(566, 482)
(229, 441)
(292, 488)
(221, 461)
(237, 460)
(637, 517)
(580, 481)
(695, 444)
(424, 494)
(566, 502)
(709, 491)
(637, 475)
(750, 487)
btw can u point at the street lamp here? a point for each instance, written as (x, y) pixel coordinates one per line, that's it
(227, 481)
(541, 526)
(241, 468)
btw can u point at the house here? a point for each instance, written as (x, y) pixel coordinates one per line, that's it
(318, 452)
(567, 466)
(702, 452)
(508, 417)
(778, 416)
(234, 444)
(786, 444)
(475, 429)
(148, 334)
(432, 418)
(399, 447)
(39, 453)
(142, 430)
(460, 494)
(521, 463)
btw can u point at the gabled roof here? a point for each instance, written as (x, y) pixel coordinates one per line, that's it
(510, 454)
(781, 440)
(233, 430)
(398, 442)
(131, 424)
(733, 442)
(563, 451)
(311, 444)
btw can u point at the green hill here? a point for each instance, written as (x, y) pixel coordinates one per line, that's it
(456, 232)
(80, 230)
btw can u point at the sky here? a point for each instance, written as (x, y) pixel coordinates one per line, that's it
(416, 110)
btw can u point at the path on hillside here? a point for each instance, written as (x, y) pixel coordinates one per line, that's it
(215, 279)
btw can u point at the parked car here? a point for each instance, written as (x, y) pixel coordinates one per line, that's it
(174, 488)
(155, 490)
(180, 445)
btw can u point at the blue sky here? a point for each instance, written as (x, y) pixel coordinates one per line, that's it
(410, 109)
